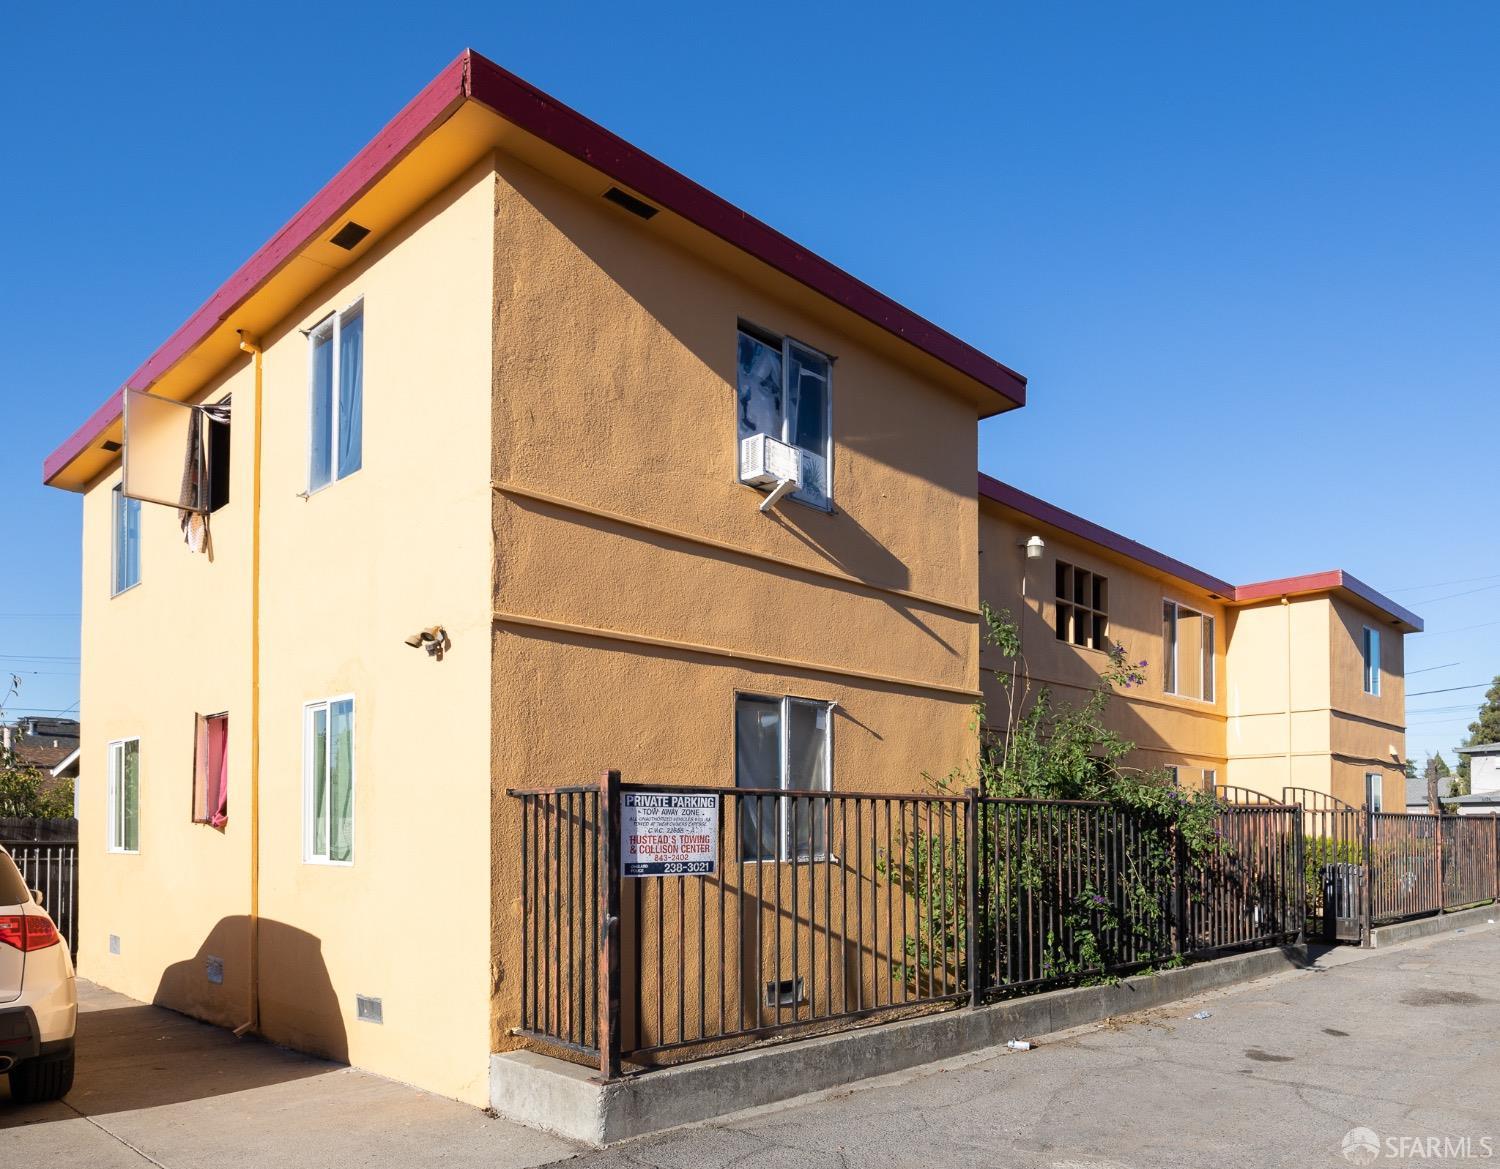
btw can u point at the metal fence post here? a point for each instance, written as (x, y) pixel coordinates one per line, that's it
(1179, 895)
(971, 892)
(1298, 882)
(609, 925)
(1495, 852)
(1367, 877)
(1442, 888)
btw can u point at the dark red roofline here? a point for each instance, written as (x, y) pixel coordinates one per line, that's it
(1047, 513)
(473, 76)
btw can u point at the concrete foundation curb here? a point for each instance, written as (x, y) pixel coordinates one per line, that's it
(1425, 927)
(569, 1100)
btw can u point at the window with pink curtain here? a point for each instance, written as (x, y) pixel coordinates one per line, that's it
(211, 770)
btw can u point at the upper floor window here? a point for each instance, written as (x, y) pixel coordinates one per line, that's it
(125, 795)
(127, 541)
(1187, 652)
(328, 781)
(1371, 649)
(1082, 606)
(211, 770)
(782, 744)
(338, 364)
(785, 391)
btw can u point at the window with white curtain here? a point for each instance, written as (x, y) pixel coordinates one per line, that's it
(785, 391)
(1187, 652)
(1371, 650)
(337, 364)
(783, 744)
(125, 795)
(127, 541)
(328, 781)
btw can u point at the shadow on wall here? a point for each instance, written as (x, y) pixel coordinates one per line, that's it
(298, 1004)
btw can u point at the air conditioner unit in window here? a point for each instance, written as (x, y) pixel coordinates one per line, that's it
(767, 461)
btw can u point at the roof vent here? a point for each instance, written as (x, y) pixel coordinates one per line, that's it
(349, 236)
(630, 203)
(110, 445)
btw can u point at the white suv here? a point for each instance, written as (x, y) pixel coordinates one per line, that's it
(38, 998)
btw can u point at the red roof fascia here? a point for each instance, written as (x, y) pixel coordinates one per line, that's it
(471, 75)
(1048, 513)
(1317, 582)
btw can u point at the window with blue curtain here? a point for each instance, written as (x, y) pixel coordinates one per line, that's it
(127, 551)
(338, 367)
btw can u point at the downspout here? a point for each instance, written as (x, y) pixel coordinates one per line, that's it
(252, 1021)
(1286, 604)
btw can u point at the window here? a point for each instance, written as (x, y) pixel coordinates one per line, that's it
(1210, 779)
(1187, 652)
(782, 744)
(125, 795)
(785, 391)
(1372, 661)
(1082, 607)
(1374, 782)
(337, 360)
(211, 770)
(328, 781)
(127, 541)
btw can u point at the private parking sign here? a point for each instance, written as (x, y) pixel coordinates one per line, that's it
(668, 834)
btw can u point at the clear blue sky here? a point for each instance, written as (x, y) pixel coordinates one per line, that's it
(1246, 254)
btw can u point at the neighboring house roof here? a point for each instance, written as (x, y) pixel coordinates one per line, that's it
(1334, 581)
(472, 79)
(1481, 749)
(1416, 790)
(44, 756)
(68, 766)
(1478, 798)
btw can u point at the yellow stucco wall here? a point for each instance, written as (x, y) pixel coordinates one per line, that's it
(1167, 729)
(346, 575)
(618, 516)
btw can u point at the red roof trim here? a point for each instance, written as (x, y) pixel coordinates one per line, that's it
(568, 130)
(1317, 582)
(471, 75)
(1047, 513)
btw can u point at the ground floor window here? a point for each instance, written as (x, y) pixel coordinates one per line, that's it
(782, 744)
(328, 781)
(125, 795)
(1374, 782)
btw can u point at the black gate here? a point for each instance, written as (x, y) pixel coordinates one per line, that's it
(51, 868)
(1333, 833)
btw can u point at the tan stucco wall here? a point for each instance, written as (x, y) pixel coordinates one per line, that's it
(618, 515)
(346, 575)
(1167, 729)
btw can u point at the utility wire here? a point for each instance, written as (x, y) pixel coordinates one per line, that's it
(1429, 669)
(1450, 689)
(1444, 583)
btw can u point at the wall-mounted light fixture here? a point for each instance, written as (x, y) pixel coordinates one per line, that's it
(1035, 547)
(434, 639)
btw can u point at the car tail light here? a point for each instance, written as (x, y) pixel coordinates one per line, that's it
(27, 931)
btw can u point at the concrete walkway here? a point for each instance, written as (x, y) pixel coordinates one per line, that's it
(1397, 1040)
(1401, 1041)
(156, 1088)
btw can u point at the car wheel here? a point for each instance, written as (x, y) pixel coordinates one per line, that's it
(37, 1080)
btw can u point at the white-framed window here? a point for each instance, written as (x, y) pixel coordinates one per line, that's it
(1370, 647)
(1374, 796)
(783, 744)
(125, 795)
(328, 781)
(1187, 652)
(336, 371)
(785, 390)
(126, 556)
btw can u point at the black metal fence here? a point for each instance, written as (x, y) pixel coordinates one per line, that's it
(826, 908)
(50, 866)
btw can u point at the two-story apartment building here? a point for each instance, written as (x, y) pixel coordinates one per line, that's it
(1295, 683)
(486, 417)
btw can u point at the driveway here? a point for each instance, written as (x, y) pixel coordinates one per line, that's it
(157, 1088)
(1398, 1041)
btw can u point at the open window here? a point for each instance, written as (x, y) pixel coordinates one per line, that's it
(176, 454)
(211, 770)
(785, 396)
